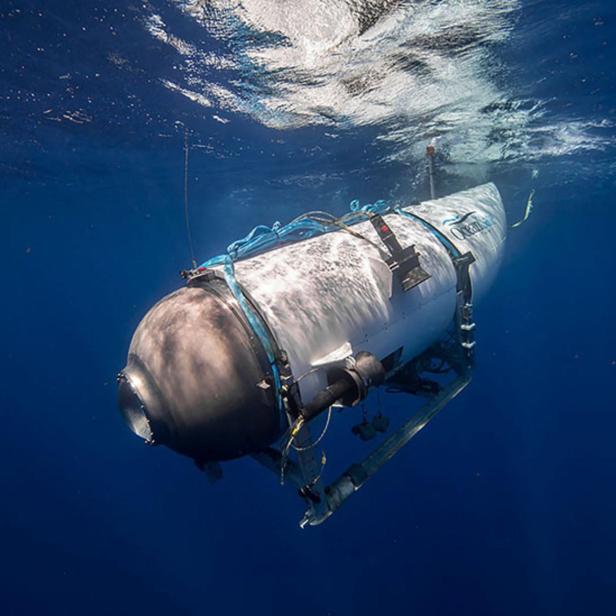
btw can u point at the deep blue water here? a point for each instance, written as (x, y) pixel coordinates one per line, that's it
(506, 503)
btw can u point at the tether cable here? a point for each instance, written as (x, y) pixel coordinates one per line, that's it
(186, 210)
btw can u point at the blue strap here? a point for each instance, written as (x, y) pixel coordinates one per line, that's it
(378, 207)
(254, 320)
(451, 248)
(263, 238)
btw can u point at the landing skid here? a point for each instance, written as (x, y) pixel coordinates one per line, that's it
(305, 471)
(453, 357)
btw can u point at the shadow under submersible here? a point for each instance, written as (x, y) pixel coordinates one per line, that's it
(296, 319)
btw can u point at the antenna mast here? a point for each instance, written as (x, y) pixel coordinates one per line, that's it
(430, 153)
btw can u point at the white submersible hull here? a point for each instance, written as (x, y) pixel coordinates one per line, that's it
(330, 296)
(222, 367)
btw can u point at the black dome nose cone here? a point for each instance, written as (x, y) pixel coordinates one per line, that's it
(194, 378)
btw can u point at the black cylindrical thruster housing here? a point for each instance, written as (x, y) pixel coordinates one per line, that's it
(198, 379)
(339, 390)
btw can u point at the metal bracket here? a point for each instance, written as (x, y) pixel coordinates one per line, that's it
(464, 324)
(403, 262)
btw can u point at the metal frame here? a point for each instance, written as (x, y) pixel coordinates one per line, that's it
(304, 473)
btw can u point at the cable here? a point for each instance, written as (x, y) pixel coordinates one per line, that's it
(295, 428)
(298, 424)
(263, 238)
(323, 432)
(186, 212)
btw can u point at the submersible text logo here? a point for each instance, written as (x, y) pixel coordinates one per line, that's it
(463, 227)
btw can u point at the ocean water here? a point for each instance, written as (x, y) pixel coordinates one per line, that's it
(506, 503)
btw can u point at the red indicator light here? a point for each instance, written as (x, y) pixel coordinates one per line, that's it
(385, 229)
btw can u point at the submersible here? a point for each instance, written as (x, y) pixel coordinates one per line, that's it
(296, 319)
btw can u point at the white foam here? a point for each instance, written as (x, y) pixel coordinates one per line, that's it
(420, 71)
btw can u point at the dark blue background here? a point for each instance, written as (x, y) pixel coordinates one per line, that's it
(506, 504)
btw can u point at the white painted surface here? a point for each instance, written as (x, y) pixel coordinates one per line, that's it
(334, 291)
